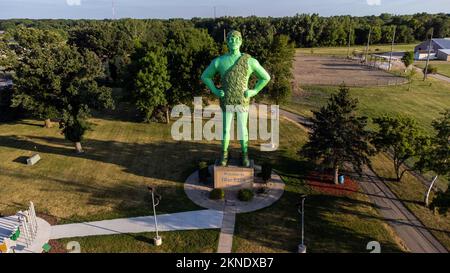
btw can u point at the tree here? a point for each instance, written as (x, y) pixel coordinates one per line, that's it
(410, 76)
(189, 52)
(338, 135)
(436, 158)
(63, 79)
(150, 82)
(408, 59)
(400, 136)
(279, 65)
(29, 44)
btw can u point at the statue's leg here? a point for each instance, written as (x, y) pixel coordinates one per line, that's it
(227, 118)
(242, 121)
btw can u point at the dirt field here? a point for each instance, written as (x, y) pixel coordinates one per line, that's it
(323, 70)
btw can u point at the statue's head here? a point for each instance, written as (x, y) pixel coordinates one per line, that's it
(234, 40)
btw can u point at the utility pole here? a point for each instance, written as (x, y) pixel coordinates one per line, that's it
(349, 39)
(214, 12)
(428, 57)
(368, 42)
(392, 48)
(113, 10)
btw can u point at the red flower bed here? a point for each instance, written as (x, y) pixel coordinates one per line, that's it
(324, 183)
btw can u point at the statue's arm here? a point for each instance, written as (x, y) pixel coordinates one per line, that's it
(261, 74)
(208, 78)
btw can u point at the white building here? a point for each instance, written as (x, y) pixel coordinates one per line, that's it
(437, 45)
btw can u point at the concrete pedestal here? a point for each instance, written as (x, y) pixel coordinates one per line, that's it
(301, 248)
(158, 241)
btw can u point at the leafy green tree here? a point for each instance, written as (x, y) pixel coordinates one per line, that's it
(401, 137)
(279, 65)
(189, 52)
(62, 78)
(33, 59)
(408, 58)
(150, 82)
(109, 40)
(338, 135)
(410, 76)
(436, 157)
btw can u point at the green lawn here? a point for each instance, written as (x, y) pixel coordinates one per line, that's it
(423, 102)
(342, 51)
(443, 67)
(333, 224)
(195, 241)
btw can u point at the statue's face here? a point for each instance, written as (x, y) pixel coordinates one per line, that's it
(234, 42)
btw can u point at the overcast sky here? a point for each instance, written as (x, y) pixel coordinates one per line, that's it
(99, 9)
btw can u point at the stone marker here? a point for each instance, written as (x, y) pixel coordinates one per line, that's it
(233, 176)
(33, 159)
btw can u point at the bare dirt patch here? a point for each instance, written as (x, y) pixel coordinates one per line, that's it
(325, 70)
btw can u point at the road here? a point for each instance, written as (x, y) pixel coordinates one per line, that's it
(415, 236)
(436, 76)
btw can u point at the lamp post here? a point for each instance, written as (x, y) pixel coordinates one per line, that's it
(301, 210)
(152, 190)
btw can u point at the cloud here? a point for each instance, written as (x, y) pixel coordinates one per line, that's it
(78, 2)
(373, 2)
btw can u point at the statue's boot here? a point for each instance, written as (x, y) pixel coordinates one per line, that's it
(245, 160)
(224, 160)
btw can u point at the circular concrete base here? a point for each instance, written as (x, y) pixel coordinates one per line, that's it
(158, 241)
(301, 248)
(199, 194)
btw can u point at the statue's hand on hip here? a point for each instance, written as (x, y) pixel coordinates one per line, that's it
(250, 93)
(220, 93)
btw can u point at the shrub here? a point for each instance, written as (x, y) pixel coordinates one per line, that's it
(245, 195)
(431, 70)
(266, 171)
(203, 172)
(216, 194)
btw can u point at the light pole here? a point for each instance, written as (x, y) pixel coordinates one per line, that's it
(301, 210)
(152, 190)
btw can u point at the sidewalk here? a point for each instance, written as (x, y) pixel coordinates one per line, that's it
(191, 220)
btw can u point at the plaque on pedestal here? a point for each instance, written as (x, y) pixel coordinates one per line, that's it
(234, 176)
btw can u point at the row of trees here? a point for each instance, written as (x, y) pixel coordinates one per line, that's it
(54, 79)
(339, 136)
(64, 74)
(305, 30)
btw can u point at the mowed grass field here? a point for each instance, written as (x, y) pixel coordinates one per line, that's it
(342, 51)
(424, 102)
(192, 241)
(108, 181)
(443, 67)
(333, 223)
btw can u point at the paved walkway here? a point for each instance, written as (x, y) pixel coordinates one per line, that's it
(201, 219)
(436, 76)
(412, 232)
(440, 77)
(227, 231)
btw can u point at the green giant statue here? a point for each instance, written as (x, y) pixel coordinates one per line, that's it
(235, 69)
